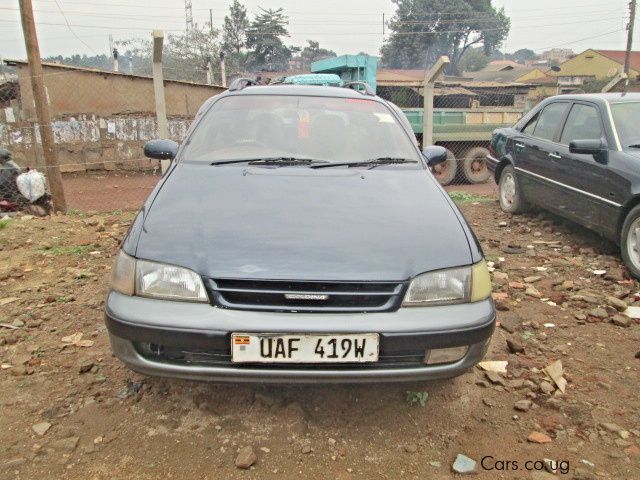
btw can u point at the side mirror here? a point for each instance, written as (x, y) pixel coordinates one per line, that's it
(595, 147)
(434, 155)
(161, 149)
(588, 147)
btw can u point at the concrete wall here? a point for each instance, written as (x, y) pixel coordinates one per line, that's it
(83, 91)
(89, 142)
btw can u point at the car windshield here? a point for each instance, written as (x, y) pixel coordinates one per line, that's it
(626, 117)
(324, 129)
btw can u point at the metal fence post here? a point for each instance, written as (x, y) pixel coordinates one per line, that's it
(430, 78)
(158, 89)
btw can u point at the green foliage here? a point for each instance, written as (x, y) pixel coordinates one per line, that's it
(594, 85)
(312, 52)
(464, 197)
(424, 30)
(70, 250)
(4, 223)
(234, 30)
(473, 60)
(264, 40)
(417, 398)
(523, 55)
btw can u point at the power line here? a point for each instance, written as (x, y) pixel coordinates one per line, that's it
(71, 30)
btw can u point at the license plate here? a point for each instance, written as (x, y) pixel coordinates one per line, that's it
(304, 348)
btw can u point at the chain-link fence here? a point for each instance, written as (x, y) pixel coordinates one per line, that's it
(101, 120)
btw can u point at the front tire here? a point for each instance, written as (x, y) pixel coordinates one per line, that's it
(511, 198)
(630, 241)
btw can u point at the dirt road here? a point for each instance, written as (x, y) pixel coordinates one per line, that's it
(69, 409)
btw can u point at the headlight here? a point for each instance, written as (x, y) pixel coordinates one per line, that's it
(157, 280)
(454, 285)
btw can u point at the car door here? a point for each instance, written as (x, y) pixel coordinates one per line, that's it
(595, 190)
(534, 150)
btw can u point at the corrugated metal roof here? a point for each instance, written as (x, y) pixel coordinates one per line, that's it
(619, 56)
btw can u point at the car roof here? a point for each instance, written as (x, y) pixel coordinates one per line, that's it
(615, 97)
(302, 90)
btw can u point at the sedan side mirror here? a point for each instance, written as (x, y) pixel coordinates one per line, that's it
(161, 149)
(597, 148)
(434, 155)
(588, 147)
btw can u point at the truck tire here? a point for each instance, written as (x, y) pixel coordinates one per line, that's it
(446, 172)
(474, 165)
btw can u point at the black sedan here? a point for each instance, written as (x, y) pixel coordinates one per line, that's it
(577, 156)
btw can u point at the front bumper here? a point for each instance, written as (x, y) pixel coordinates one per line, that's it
(492, 163)
(408, 331)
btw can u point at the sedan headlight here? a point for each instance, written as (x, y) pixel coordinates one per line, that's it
(156, 280)
(453, 285)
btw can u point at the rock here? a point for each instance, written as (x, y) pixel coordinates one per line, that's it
(637, 354)
(495, 378)
(599, 312)
(611, 427)
(523, 405)
(500, 278)
(13, 463)
(410, 448)
(514, 346)
(306, 449)
(533, 292)
(464, 465)
(582, 474)
(517, 285)
(511, 323)
(538, 437)
(616, 303)
(546, 387)
(85, 366)
(41, 428)
(532, 279)
(621, 321)
(66, 445)
(246, 457)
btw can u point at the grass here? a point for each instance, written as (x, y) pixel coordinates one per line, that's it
(464, 197)
(70, 250)
(4, 223)
(417, 398)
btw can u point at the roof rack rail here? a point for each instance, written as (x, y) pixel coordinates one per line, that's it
(366, 88)
(240, 83)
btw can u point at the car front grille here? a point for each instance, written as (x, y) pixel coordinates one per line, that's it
(294, 296)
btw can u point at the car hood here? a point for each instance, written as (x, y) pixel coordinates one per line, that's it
(303, 224)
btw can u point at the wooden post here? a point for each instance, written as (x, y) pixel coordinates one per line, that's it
(430, 78)
(42, 106)
(158, 89)
(223, 70)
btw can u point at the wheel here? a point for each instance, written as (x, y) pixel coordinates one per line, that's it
(474, 165)
(630, 241)
(447, 170)
(511, 198)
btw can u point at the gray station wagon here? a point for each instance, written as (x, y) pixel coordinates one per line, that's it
(299, 236)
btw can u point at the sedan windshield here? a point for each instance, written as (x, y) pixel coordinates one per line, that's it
(321, 129)
(626, 117)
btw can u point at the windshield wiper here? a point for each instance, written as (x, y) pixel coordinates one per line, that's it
(373, 163)
(281, 161)
(635, 145)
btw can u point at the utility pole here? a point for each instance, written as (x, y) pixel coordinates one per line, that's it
(158, 89)
(188, 13)
(430, 77)
(42, 106)
(223, 70)
(627, 57)
(211, 20)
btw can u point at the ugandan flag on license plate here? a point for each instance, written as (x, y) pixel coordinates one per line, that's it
(241, 340)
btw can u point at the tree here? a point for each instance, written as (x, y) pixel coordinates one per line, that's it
(266, 49)
(473, 60)
(423, 30)
(234, 36)
(312, 52)
(523, 55)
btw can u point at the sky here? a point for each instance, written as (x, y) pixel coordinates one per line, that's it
(345, 26)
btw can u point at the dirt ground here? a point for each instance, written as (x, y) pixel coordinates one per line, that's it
(69, 409)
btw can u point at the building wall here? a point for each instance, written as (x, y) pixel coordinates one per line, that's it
(73, 92)
(589, 64)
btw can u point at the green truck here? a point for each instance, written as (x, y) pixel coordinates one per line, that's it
(465, 133)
